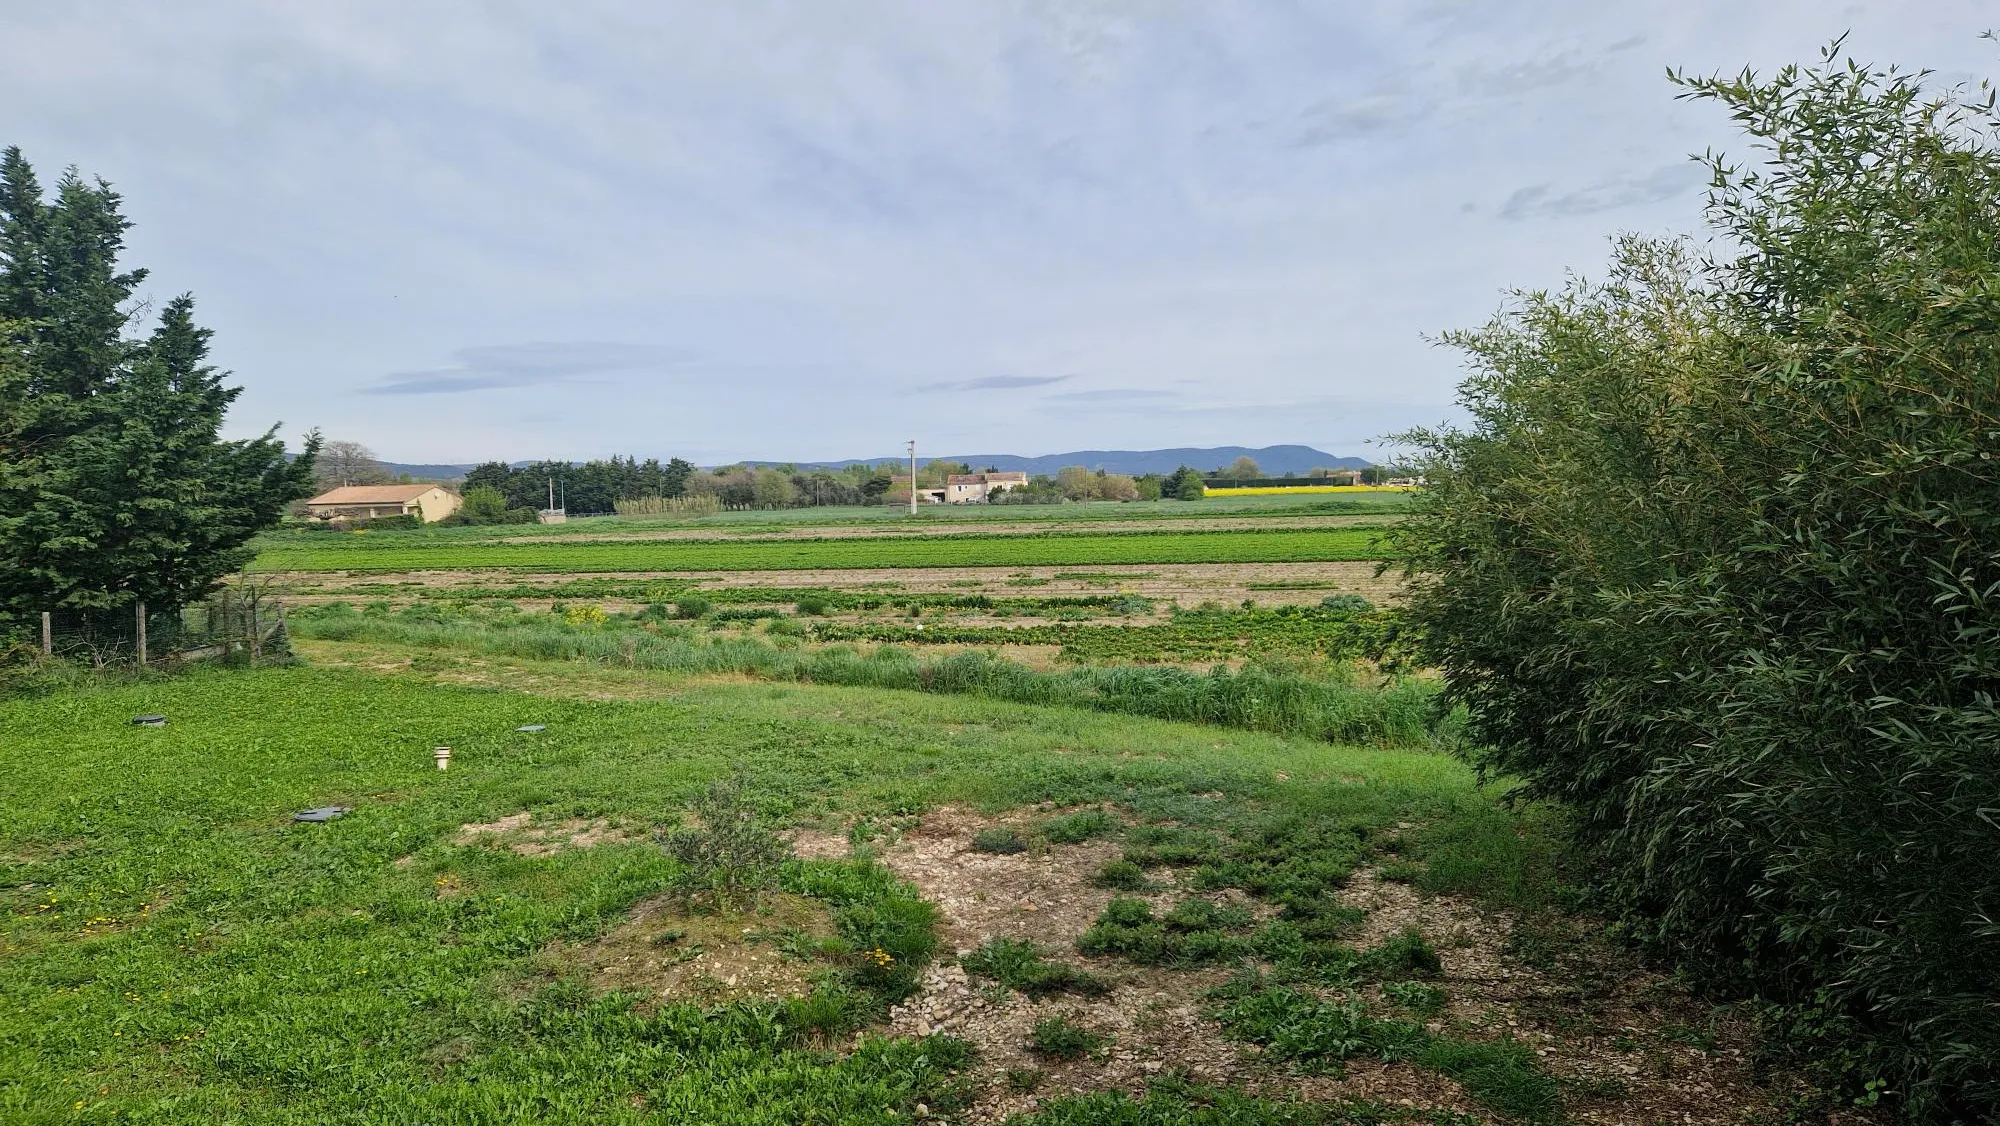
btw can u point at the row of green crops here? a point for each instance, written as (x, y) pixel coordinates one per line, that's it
(1398, 712)
(669, 590)
(390, 553)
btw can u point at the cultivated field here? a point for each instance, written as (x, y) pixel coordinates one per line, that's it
(1113, 814)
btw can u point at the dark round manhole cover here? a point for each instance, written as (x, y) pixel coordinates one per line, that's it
(149, 721)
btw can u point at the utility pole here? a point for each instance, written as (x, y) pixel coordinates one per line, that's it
(913, 476)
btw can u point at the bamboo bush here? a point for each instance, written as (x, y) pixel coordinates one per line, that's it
(1714, 565)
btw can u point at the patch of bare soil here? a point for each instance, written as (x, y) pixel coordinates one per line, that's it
(1628, 1046)
(1155, 1018)
(523, 835)
(671, 954)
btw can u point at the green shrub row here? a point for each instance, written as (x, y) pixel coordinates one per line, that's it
(1714, 565)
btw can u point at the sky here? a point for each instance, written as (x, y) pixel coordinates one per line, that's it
(812, 230)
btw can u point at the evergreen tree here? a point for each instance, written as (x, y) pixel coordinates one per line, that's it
(1183, 484)
(114, 484)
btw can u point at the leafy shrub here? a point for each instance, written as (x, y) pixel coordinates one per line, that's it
(1713, 566)
(692, 606)
(728, 851)
(1060, 1039)
(813, 605)
(584, 616)
(1346, 604)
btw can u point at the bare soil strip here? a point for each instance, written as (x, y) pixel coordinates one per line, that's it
(1184, 583)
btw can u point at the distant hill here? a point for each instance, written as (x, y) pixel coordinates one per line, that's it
(426, 472)
(1275, 461)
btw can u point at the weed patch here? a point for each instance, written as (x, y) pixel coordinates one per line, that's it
(1062, 1039)
(1317, 1033)
(1019, 964)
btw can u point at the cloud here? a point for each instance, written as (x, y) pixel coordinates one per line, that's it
(1109, 395)
(995, 383)
(1626, 44)
(1482, 81)
(525, 365)
(1537, 201)
(1373, 115)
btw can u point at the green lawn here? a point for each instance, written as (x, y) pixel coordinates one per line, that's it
(176, 950)
(393, 551)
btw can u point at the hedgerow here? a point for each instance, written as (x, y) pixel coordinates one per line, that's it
(1714, 564)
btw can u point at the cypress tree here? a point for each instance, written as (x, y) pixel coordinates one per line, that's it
(115, 485)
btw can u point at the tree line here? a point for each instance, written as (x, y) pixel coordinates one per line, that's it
(496, 492)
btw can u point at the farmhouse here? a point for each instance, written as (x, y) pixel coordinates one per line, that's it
(366, 502)
(972, 488)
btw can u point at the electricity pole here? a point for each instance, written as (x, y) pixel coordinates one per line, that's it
(913, 476)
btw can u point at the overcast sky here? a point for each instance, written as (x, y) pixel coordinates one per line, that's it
(814, 229)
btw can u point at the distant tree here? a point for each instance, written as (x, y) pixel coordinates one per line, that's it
(115, 485)
(1040, 489)
(1076, 482)
(490, 474)
(1244, 468)
(1183, 484)
(485, 504)
(825, 489)
(675, 477)
(772, 488)
(1117, 486)
(875, 487)
(738, 489)
(347, 463)
(1148, 486)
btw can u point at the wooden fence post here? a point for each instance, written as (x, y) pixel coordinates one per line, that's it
(256, 641)
(48, 636)
(139, 612)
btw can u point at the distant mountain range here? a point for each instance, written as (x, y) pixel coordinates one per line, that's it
(1275, 461)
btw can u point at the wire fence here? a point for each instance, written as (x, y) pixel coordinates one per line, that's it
(231, 625)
